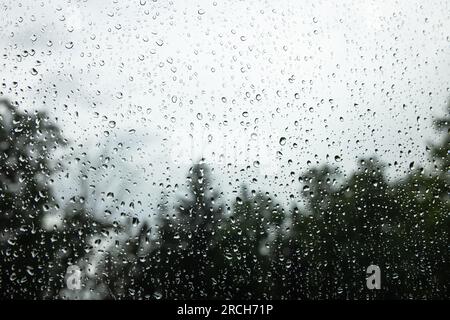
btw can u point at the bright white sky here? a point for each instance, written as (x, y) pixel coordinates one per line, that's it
(167, 81)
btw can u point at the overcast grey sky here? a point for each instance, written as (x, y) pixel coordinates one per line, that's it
(255, 87)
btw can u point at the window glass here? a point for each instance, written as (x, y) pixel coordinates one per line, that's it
(224, 149)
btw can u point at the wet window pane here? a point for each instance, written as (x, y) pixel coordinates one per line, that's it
(235, 150)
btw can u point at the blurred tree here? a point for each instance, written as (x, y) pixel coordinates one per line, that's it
(424, 228)
(186, 266)
(96, 234)
(246, 241)
(76, 239)
(312, 248)
(363, 220)
(26, 249)
(127, 271)
(259, 251)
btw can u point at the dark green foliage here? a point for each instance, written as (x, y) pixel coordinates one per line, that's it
(26, 142)
(257, 249)
(185, 264)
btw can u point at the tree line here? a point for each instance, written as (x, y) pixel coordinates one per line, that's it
(204, 248)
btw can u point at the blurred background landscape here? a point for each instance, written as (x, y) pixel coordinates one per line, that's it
(203, 247)
(236, 150)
